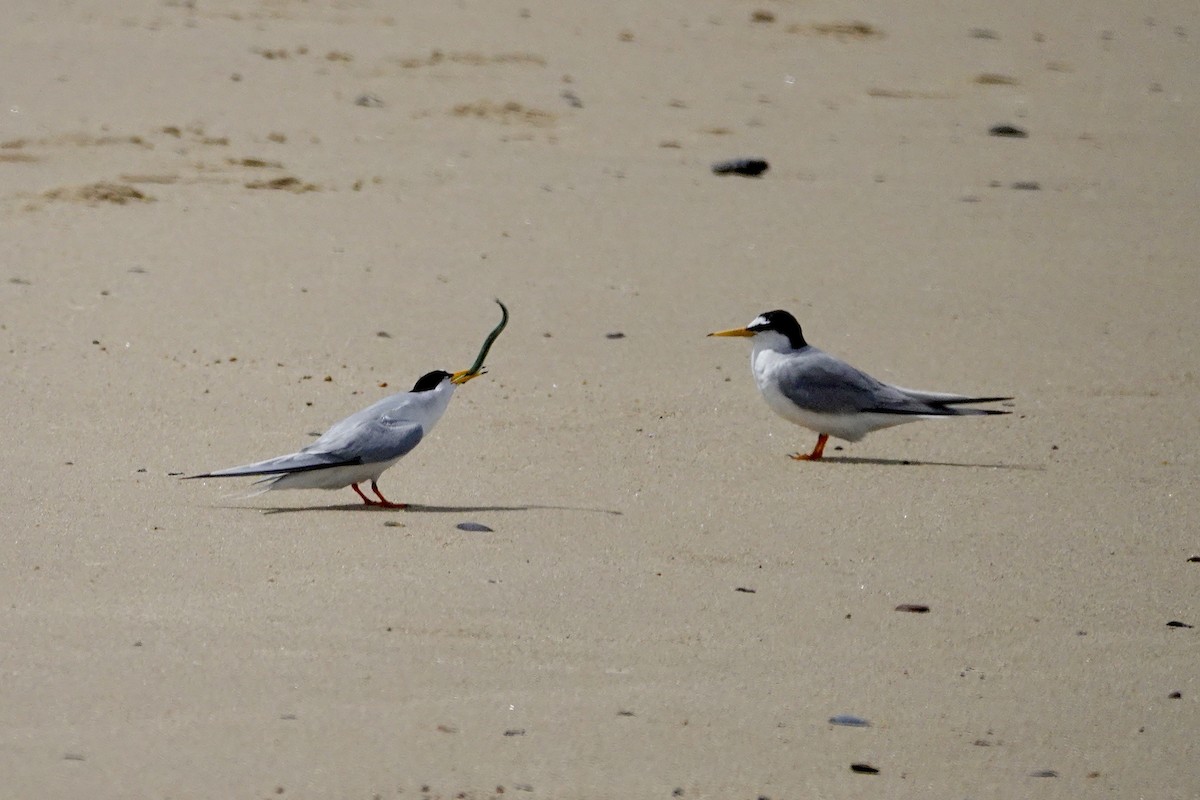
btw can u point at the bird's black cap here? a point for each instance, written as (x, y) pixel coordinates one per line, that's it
(430, 381)
(781, 322)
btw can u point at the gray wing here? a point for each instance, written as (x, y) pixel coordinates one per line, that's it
(374, 435)
(822, 383)
(371, 436)
(294, 462)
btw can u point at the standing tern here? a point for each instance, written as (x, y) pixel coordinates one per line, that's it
(363, 445)
(811, 388)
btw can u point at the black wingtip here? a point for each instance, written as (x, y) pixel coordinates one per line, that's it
(972, 401)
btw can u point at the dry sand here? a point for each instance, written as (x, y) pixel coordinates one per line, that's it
(206, 231)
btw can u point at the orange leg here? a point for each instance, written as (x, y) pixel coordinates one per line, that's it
(365, 499)
(383, 501)
(817, 452)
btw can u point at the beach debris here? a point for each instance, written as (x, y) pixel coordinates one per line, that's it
(1175, 696)
(913, 608)
(1028, 186)
(287, 183)
(863, 768)
(1043, 773)
(750, 167)
(849, 721)
(1011, 131)
(746, 590)
(995, 79)
(1177, 624)
(515, 732)
(572, 99)
(368, 100)
(101, 192)
(614, 335)
(984, 33)
(473, 527)
(1194, 560)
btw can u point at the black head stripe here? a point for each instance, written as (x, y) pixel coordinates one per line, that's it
(782, 322)
(430, 381)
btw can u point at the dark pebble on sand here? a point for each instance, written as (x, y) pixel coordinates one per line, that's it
(1044, 773)
(751, 167)
(849, 721)
(1177, 624)
(913, 608)
(1194, 560)
(1011, 131)
(473, 527)
(1175, 696)
(864, 769)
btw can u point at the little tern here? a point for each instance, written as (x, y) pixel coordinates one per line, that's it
(363, 445)
(820, 392)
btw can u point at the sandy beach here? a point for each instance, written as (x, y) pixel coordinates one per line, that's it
(231, 224)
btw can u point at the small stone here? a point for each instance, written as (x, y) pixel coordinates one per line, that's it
(849, 721)
(614, 335)
(913, 608)
(1043, 773)
(1011, 131)
(864, 769)
(367, 100)
(473, 527)
(1175, 695)
(750, 167)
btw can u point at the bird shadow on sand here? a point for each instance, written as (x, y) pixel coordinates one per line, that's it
(418, 508)
(910, 462)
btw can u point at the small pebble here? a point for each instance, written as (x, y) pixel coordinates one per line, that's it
(751, 167)
(368, 101)
(473, 527)
(849, 721)
(1175, 695)
(1043, 773)
(1011, 131)
(614, 335)
(864, 769)
(913, 608)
